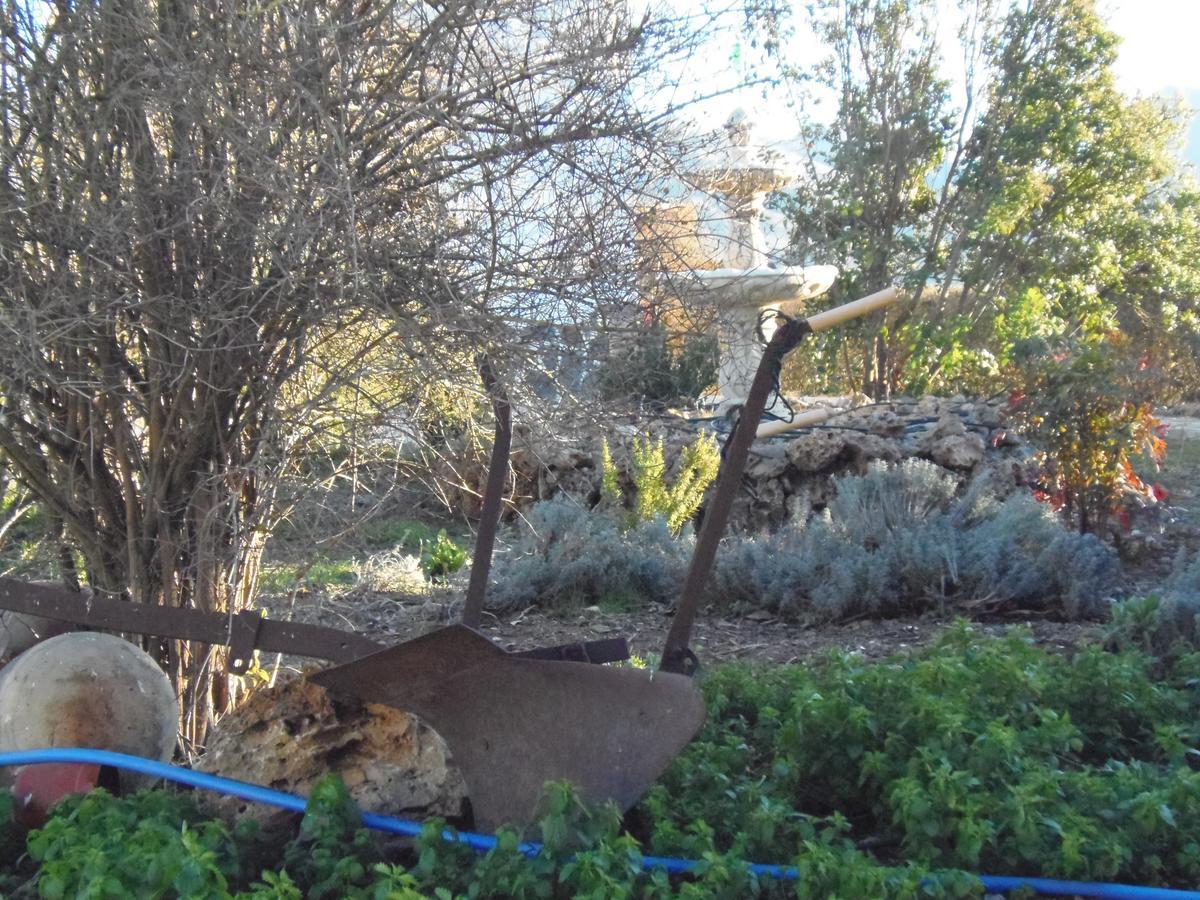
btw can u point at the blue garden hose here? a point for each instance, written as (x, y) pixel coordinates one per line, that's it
(485, 842)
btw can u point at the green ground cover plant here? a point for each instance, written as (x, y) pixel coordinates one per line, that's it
(894, 779)
(320, 573)
(441, 558)
(990, 755)
(401, 534)
(399, 556)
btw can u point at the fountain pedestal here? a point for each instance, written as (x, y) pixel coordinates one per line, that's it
(747, 286)
(744, 301)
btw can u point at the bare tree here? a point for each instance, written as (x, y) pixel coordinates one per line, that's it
(194, 197)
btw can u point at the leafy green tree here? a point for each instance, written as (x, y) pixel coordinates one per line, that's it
(866, 200)
(1064, 180)
(1050, 203)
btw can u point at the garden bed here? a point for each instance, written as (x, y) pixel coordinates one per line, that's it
(893, 778)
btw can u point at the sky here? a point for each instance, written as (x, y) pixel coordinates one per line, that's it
(1159, 53)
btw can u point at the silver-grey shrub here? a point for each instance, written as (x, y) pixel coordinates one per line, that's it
(898, 540)
(1165, 623)
(893, 541)
(568, 556)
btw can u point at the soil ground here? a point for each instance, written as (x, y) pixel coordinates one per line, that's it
(392, 618)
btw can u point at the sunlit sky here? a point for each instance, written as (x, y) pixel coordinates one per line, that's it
(1159, 53)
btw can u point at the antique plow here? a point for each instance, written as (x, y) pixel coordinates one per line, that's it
(512, 721)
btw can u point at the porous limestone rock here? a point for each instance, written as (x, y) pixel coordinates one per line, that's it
(289, 735)
(788, 476)
(951, 445)
(958, 451)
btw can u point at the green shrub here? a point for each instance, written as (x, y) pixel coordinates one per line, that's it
(1165, 624)
(897, 540)
(892, 542)
(153, 844)
(676, 504)
(1087, 404)
(332, 851)
(989, 755)
(442, 558)
(566, 556)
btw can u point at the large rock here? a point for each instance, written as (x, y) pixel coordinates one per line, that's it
(787, 477)
(20, 631)
(817, 451)
(88, 690)
(959, 451)
(290, 735)
(951, 445)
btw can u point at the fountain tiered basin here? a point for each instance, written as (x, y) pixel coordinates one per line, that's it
(747, 285)
(743, 299)
(761, 288)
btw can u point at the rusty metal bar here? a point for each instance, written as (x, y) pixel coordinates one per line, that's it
(493, 495)
(317, 641)
(602, 651)
(182, 624)
(677, 657)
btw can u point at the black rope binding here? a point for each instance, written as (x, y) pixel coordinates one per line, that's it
(788, 335)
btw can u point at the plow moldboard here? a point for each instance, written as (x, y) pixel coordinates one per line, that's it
(513, 724)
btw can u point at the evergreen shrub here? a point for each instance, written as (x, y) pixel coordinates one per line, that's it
(1165, 624)
(989, 755)
(567, 556)
(898, 540)
(653, 497)
(894, 541)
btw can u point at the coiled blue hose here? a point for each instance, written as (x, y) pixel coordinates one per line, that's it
(485, 842)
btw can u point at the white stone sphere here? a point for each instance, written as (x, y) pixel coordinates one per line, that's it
(86, 689)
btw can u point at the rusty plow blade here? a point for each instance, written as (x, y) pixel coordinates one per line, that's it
(512, 724)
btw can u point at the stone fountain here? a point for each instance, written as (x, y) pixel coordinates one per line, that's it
(746, 284)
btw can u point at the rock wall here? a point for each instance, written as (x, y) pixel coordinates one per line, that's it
(788, 476)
